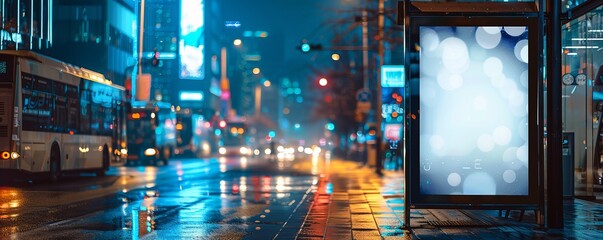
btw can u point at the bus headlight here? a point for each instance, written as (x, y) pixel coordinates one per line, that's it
(5, 155)
(222, 150)
(14, 155)
(150, 152)
(124, 151)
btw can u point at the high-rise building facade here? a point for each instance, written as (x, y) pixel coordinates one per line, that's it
(96, 34)
(25, 24)
(185, 36)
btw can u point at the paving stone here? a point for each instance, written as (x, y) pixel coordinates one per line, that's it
(367, 206)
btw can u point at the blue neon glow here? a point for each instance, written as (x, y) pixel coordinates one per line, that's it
(191, 96)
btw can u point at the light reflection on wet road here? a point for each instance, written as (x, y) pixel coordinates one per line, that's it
(220, 198)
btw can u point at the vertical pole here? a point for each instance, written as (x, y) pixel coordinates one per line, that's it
(407, 132)
(365, 76)
(378, 117)
(31, 17)
(18, 19)
(364, 49)
(258, 100)
(41, 23)
(541, 159)
(554, 209)
(50, 19)
(140, 38)
(224, 84)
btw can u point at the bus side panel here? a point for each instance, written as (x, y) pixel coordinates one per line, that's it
(77, 152)
(34, 157)
(7, 96)
(80, 152)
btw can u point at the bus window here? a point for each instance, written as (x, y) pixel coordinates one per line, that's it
(73, 106)
(85, 111)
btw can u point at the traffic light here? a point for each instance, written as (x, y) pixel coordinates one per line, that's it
(307, 47)
(155, 59)
(330, 126)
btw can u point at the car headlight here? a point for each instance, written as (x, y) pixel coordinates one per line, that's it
(222, 150)
(243, 150)
(150, 152)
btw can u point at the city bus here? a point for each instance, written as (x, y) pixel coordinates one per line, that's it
(56, 117)
(151, 132)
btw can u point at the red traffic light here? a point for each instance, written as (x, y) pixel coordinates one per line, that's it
(155, 60)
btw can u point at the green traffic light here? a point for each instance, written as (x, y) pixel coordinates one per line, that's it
(305, 47)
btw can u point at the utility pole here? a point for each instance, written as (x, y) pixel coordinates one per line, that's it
(224, 85)
(140, 36)
(378, 116)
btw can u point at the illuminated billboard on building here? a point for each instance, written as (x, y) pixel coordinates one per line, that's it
(192, 39)
(475, 113)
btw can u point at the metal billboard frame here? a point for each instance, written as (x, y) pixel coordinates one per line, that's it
(413, 197)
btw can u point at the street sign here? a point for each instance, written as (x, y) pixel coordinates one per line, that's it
(363, 95)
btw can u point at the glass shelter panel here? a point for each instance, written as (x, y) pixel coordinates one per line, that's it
(582, 69)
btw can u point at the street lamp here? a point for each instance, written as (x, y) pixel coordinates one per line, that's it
(323, 82)
(255, 71)
(267, 83)
(335, 57)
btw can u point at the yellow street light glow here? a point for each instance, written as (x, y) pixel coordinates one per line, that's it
(256, 71)
(237, 42)
(267, 83)
(335, 57)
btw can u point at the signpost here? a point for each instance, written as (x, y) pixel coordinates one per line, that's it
(364, 100)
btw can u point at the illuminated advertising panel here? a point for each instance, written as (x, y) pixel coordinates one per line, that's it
(392, 76)
(477, 114)
(393, 131)
(196, 96)
(192, 40)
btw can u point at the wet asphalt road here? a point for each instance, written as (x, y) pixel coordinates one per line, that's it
(217, 198)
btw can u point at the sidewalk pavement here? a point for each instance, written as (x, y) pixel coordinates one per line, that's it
(352, 202)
